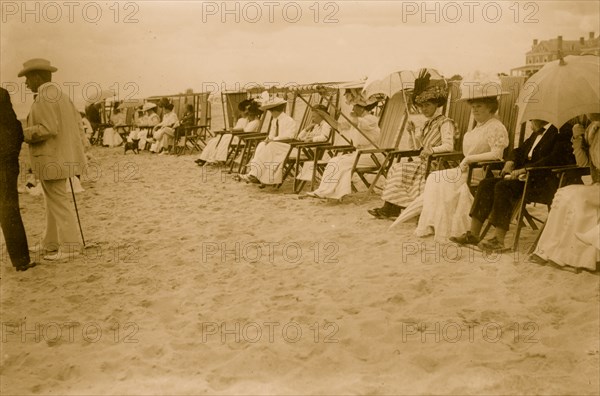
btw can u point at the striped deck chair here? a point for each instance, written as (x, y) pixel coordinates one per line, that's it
(394, 117)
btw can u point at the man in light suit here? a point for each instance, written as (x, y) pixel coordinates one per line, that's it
(53, 134)
(11, 138)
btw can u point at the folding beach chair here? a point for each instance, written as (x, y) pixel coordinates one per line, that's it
(393, 120)
(230, 102)
(247, 143)
(301, 151)
(195, 136)
(394, 117)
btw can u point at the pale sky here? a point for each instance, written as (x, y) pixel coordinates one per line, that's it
(169, 46)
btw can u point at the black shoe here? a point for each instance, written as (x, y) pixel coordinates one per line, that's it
(491, 245)
(25, 267)
(465, 239)
(253, 179)
(200, 162)
(375, 212)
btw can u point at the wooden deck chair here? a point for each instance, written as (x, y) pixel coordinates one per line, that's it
(394, 117)
(235, 149)
(333, 150)
(230, 102)
(247, 143)
(301, 151)
(329, 94)
(565, 175)
(520, 213)
(194, 137)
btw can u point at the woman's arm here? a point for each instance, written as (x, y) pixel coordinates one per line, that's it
(579, 147)
(497, 139)
(447, 131)
(324, 132)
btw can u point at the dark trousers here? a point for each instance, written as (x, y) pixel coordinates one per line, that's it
(495, 200)
(10, 217)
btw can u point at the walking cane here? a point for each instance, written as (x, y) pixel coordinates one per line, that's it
(76, 211)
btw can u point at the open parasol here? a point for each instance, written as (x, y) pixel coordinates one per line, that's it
(562, 90)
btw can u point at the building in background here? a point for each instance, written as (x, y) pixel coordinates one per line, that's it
(546, 51)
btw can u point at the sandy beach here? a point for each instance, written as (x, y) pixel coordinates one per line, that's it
(193, 283)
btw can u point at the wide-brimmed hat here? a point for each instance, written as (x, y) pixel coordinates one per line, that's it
(36, 64)
(480, 90)
(429, 90)
(272, 103)
(148, 106)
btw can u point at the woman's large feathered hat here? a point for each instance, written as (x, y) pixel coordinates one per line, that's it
(429, 90)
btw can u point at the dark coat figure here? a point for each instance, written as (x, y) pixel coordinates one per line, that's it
(11, 138)
(496, 197)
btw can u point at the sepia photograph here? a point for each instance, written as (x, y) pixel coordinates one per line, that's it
(310, 197)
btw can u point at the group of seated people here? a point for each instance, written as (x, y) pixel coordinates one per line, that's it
(217, 148)
(147, 129)
(449, 210)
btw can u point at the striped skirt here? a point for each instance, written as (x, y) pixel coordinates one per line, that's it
(405, 182)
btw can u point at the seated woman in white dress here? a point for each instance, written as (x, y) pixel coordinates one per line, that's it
(571, 236)
(446, 200)
(265, 167)
(318, 131)
(164, 131)
(149, 119)
(337, 179)
(111, 138)
(405, 181)
(217, 147)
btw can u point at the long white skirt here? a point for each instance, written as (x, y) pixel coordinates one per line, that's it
(111, 138)
(223, 148)
(572, 221)
(209, 152)
(444, 205)
(337, 176)
(266, 165)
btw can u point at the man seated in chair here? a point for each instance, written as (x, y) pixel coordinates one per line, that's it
(496, 197)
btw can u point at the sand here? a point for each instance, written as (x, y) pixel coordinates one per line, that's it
(203, 285)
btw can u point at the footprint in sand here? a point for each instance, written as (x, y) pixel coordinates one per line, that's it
(67, 372)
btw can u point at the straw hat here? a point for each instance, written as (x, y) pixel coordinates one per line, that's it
(273, 102)
(148, 106)
(36, 64)
(478, 90)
